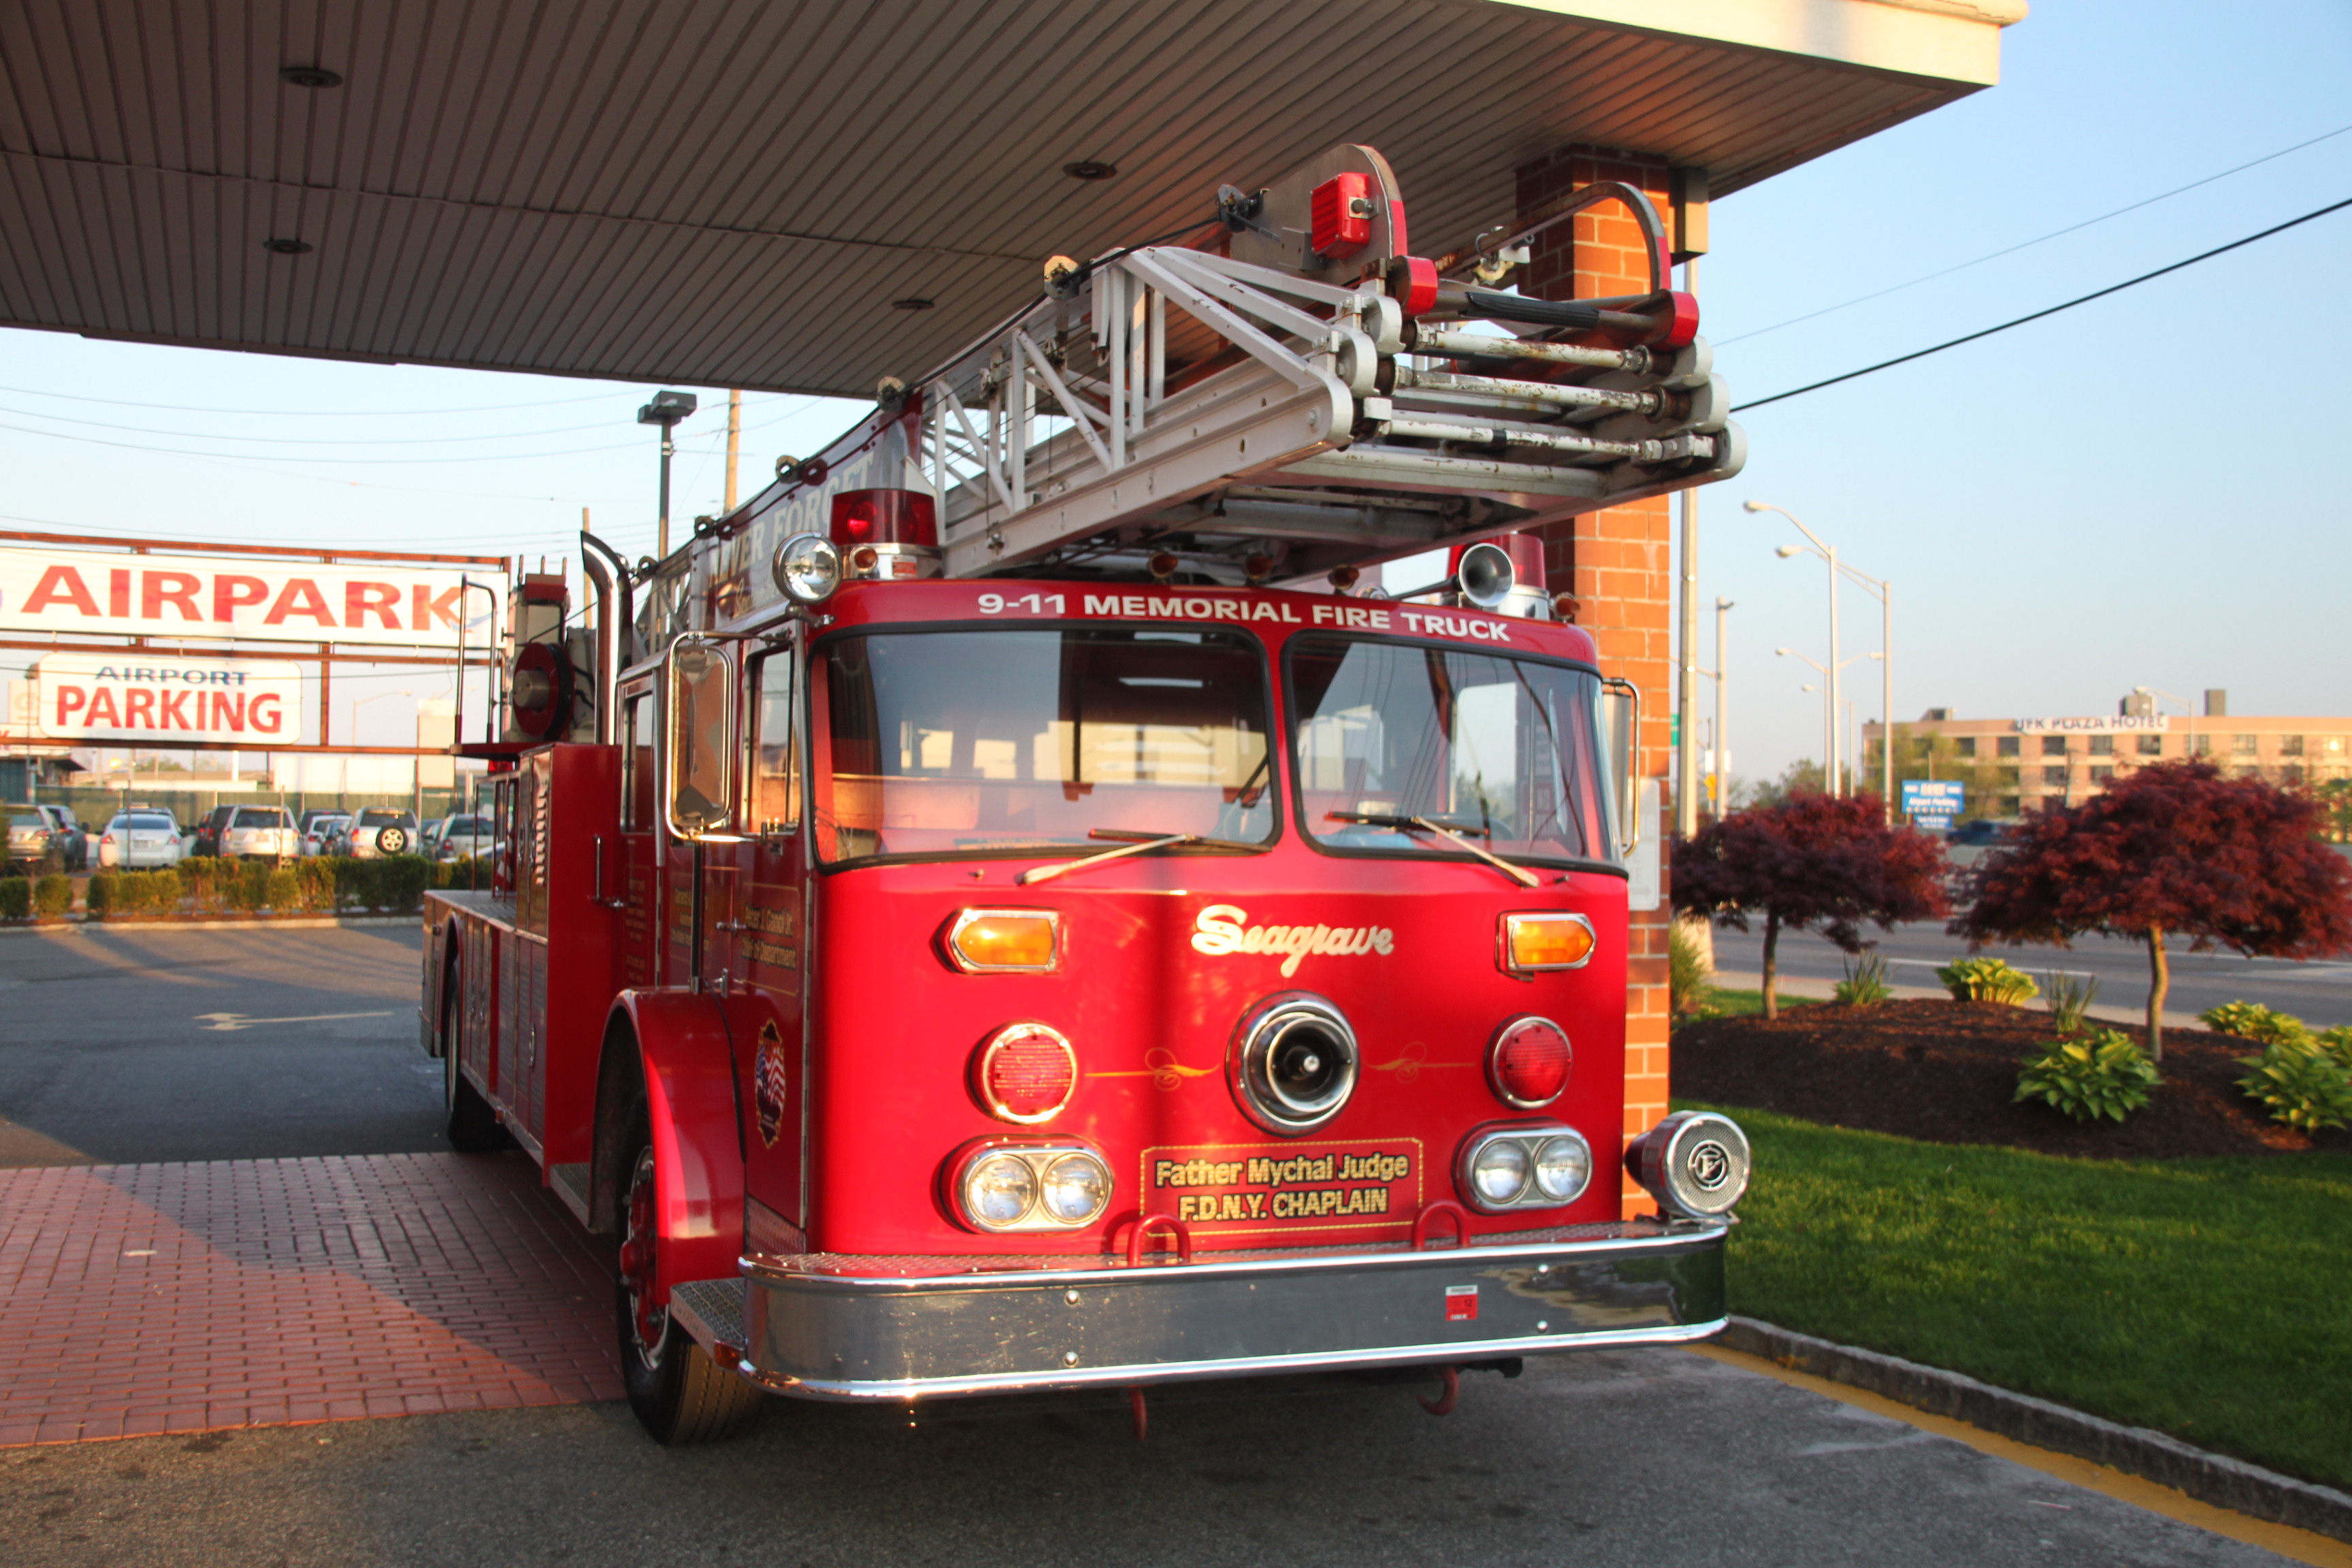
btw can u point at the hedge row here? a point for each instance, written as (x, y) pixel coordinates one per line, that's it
(22, 898)
(209, 885)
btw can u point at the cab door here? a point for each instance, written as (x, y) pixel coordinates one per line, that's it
(767, 946)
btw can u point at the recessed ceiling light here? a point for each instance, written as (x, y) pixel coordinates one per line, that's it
(1089, 169)
(309, 76)
(910, 303)
(287, 246)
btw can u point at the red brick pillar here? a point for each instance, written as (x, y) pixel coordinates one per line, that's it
(1617, 563)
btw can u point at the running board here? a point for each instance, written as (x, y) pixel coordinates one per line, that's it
(711, 1311)
(570, 1182)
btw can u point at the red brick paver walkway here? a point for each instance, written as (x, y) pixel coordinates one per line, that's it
(145, 1298)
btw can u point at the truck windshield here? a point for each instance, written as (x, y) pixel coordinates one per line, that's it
(980, 742)
(1499, 749)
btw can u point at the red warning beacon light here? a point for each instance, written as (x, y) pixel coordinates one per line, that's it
(885, 517)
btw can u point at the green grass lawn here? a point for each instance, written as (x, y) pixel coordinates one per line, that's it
(1731, 1004)
(2209, 1298)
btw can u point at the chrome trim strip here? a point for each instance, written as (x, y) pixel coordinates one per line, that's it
(1686, 1236)
(1440, 1354)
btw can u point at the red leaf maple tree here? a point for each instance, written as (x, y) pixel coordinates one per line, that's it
(1814, 861)
(2173, 848)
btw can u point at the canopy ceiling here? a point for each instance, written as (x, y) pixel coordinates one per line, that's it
(733, 193)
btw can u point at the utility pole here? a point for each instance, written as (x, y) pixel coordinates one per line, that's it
(734, 443)
(1686, 678)
(1722, 713)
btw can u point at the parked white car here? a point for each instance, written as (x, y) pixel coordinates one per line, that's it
(261, 833)
(459, 836)
(379, 830)
(318, 832)
(139, 840)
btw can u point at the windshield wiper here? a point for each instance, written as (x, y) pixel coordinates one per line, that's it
(1519, 874)
(1140, 843)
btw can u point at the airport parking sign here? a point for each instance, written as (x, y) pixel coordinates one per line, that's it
(1932, 803)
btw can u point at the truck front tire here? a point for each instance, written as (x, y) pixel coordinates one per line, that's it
(680, 1395)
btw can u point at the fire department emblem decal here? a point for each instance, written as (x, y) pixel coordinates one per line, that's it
(768, 1083)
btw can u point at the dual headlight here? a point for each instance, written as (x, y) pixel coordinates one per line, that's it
(1001, 1187)
(1524, 1166)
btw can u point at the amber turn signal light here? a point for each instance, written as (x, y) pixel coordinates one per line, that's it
(1534, 943)
(1005, 942)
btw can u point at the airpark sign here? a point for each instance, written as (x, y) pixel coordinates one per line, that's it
(370, 604)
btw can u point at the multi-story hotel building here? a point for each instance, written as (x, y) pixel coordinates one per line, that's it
(2017, 766)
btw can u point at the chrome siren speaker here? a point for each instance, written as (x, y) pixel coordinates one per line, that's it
(1293, 1063)
(1694, 1163)
(1484, 576)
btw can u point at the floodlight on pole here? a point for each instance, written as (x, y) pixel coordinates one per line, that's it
(666, 409)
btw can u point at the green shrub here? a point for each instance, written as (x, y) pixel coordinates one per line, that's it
(165, 890)
(2338, 1043)
(206, 880)
(15, 898)
(2070, 997)
(253, 885)
(1690, 980)
(103, 893)
(2303, 1085)
(53, 896)
(1987, 980)
(1865, 982)
(403, 881)
(2252, 1021)
(2105, 1074)
(318, 880)
(283, 891)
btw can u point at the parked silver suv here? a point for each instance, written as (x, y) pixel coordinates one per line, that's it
(377, 830)
(261, 833)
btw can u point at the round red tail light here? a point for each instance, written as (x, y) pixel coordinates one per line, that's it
(1025, 1074)
(1530, 1061)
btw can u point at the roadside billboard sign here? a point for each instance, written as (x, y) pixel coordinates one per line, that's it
(50, 591)
(1933, 803)
(145, 699)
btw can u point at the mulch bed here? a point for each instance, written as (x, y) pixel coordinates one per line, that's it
(1945, 1072)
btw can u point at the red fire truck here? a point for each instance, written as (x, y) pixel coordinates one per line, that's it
(1012, 907)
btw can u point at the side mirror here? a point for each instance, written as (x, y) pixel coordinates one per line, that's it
(698, 760)
(1620, 731)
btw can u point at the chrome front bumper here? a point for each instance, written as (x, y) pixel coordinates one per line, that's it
(828, 1326)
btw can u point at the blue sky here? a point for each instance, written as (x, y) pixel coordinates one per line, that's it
(2143, 491)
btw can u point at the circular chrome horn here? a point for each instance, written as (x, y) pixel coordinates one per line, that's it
(1484, 576)
(1293, 1063)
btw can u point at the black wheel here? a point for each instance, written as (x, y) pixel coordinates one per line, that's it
(679, 1394)
(473, 1127)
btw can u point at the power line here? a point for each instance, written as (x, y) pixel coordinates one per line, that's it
(2084, 299)
(2028, 244)
(274, 458)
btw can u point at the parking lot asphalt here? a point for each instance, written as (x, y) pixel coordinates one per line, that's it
(1631, 1457)
(113, 1052)
(2319, 993)
(146, 1043)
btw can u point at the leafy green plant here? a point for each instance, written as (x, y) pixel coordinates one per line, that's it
(15, 898)
(1866, 981)
(2252, 1021)
(53, 896)
(2338, 1043)
(2105, 1074)
(253, 885)
(283, 890)
(2303, 1085)
(102, 894)
(2069, 997)
(1690, 980)
(1987, 980)
(165, 890)
(318, 880)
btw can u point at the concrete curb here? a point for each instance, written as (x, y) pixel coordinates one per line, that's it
(2212, 1478)
(78, 927)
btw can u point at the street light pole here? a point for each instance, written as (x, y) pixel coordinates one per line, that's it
(1722, 719)
(665, 410)
(2188, 711)
(1828, 554)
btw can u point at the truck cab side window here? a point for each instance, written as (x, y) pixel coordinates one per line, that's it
(775, 759)
(637, 764)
